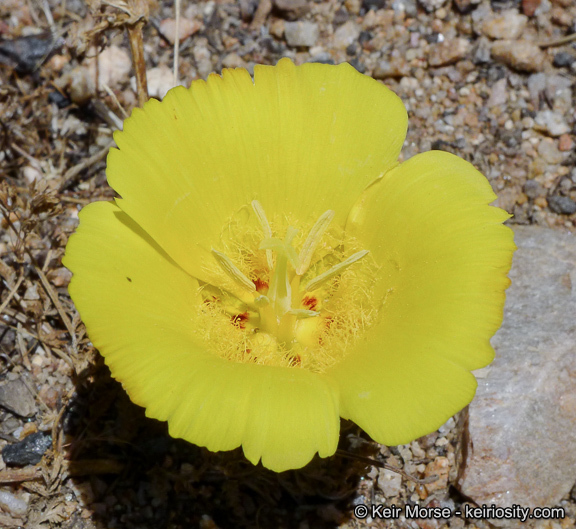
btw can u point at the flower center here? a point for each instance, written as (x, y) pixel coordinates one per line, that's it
(305, 307)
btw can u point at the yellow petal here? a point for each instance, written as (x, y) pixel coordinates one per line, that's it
(140, 311)
(299, 139)
(280, 415)
(396, 396)
(443, 256)
(127, 290)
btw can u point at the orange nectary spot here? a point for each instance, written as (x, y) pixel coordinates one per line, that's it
(239, 320)
(310, 302)
(261, 285)
(211, 300)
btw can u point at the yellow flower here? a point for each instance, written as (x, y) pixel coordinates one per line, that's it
(271, 267)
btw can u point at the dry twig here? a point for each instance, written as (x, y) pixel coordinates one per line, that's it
(177, 43)
(71, 176)
(139, 8)
(558, 42)
(20, 475)
(12, 292)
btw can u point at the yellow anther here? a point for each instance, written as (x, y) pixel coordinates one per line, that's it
(261, 215)
(232, 271)
(334, 271)
(303, 313)
(313, 240)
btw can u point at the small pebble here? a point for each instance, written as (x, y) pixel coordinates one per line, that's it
(186, 28)
(541, 202)
(448, 52)
(358, 65)
(160, 80)
(563, 59)
(13, 504)
(301, 34)
(565, 143)
(396, 67)
(292, 9)
(346, 35)
(548, 150)
(114, 66)
(534, 189)
(439, 467)
(277, 28)
(417, 451)
(499, 95)
(465, 6)
(552, 122)
(529, 7)
(373, 4)
(431, 5)
(233, 60)
(353, 6)
(441, 14)
(49, 396)
(562, 205)
(521, 55)
(527, 123)
(509, 25)
(29, 451)
(202, 57)
(32, 174)
(78, 84)
(409, 7)
(340, 17)
(16, 397)
(389, 482)
(561, 17)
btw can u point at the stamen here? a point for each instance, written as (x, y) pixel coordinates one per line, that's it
(313, 240)
(272, 317)
(335, 270)
(303, 313)
(232, 271)
(259, 210)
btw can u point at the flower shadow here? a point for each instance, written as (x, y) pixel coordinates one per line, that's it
(132, 474)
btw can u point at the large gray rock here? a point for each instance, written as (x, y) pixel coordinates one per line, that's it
(520, 443)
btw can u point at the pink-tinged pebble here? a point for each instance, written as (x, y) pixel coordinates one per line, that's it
(565, 143)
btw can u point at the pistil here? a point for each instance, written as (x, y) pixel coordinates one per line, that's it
(280, 290)
(280, 308)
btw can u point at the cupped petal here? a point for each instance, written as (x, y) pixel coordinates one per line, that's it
(281, 416)
(397, 395)
(299, 139)
(443, 257)
(141, 311)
